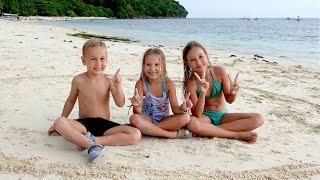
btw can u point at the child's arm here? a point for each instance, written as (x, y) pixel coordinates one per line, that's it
(136, 100)
(230, 88)
(71, 100)
(176, 109)
(198, 101)
(234, 88)
(116, 89)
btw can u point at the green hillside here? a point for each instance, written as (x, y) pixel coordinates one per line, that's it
(98, 8)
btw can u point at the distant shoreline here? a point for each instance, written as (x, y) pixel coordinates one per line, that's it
(60, 18)
(68, 18)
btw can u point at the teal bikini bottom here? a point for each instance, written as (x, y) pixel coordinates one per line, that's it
(215, 116)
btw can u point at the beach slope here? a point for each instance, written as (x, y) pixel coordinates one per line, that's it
(37, 64)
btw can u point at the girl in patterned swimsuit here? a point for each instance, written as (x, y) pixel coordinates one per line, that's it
(210, 88)
(151, 113)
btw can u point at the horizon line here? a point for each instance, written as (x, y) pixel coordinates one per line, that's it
(291, 17)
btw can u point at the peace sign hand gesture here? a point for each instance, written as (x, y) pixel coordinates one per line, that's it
(136, 100)
(234, 87)
(203, 83)
(187, 104)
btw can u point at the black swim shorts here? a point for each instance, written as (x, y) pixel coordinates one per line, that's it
(97, 126)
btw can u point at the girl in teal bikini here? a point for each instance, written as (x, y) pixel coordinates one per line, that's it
(210, 87)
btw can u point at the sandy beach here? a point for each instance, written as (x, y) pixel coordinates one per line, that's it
(38, 62)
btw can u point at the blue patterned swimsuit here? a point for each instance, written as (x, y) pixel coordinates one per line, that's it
(157, 108)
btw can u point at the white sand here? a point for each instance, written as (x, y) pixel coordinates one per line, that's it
(38, 62)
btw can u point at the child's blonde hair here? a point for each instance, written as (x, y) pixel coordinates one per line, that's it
(92, 43)
(151, 51)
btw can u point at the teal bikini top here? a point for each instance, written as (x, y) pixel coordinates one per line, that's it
(216, 87)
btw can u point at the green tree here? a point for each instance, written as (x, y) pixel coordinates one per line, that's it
(47, 8)
(27, 8)
(70, 13)
(107, 8)
(1, 6)
(13, 6)
(108, 12)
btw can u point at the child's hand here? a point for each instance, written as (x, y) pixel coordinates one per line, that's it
(187, 104)
(136, 100)
(117, 78)
(234, 85)
(52, 131)
(203, 83)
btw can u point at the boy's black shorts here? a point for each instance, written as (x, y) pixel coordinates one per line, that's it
(97, 126)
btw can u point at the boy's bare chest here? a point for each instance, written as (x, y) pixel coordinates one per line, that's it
(97, 90)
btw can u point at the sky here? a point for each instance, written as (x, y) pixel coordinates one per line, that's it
(252, 8)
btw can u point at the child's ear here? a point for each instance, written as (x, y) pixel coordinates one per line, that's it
(82, 59)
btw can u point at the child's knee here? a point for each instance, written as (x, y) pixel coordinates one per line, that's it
(258, 119)
(135, 135)
(193, 125)
(60, 121)
(134, 119)
(184, 119)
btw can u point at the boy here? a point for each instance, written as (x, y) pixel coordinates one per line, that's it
(92, 89)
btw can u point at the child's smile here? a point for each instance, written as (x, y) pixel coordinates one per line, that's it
(152, 67)
(95, 60)
(197, 59)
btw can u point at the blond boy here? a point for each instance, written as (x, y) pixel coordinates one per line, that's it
(92, 88)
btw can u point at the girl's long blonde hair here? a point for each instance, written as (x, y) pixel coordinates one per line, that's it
(151, 51)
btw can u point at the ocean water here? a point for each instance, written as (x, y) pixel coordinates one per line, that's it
(288, 40)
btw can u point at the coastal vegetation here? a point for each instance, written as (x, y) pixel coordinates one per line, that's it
(85, 35)
(98, 8)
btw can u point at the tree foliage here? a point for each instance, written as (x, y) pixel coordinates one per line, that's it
(101, 8)
(1, 5)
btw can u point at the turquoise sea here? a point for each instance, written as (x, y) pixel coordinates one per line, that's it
(288, 40)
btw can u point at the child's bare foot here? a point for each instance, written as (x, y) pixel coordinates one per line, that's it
(249, 137)
(52, 131)
(183, 134)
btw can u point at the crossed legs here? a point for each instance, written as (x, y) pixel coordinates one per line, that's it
(233, 125)
(167, 128)
(73, 131)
